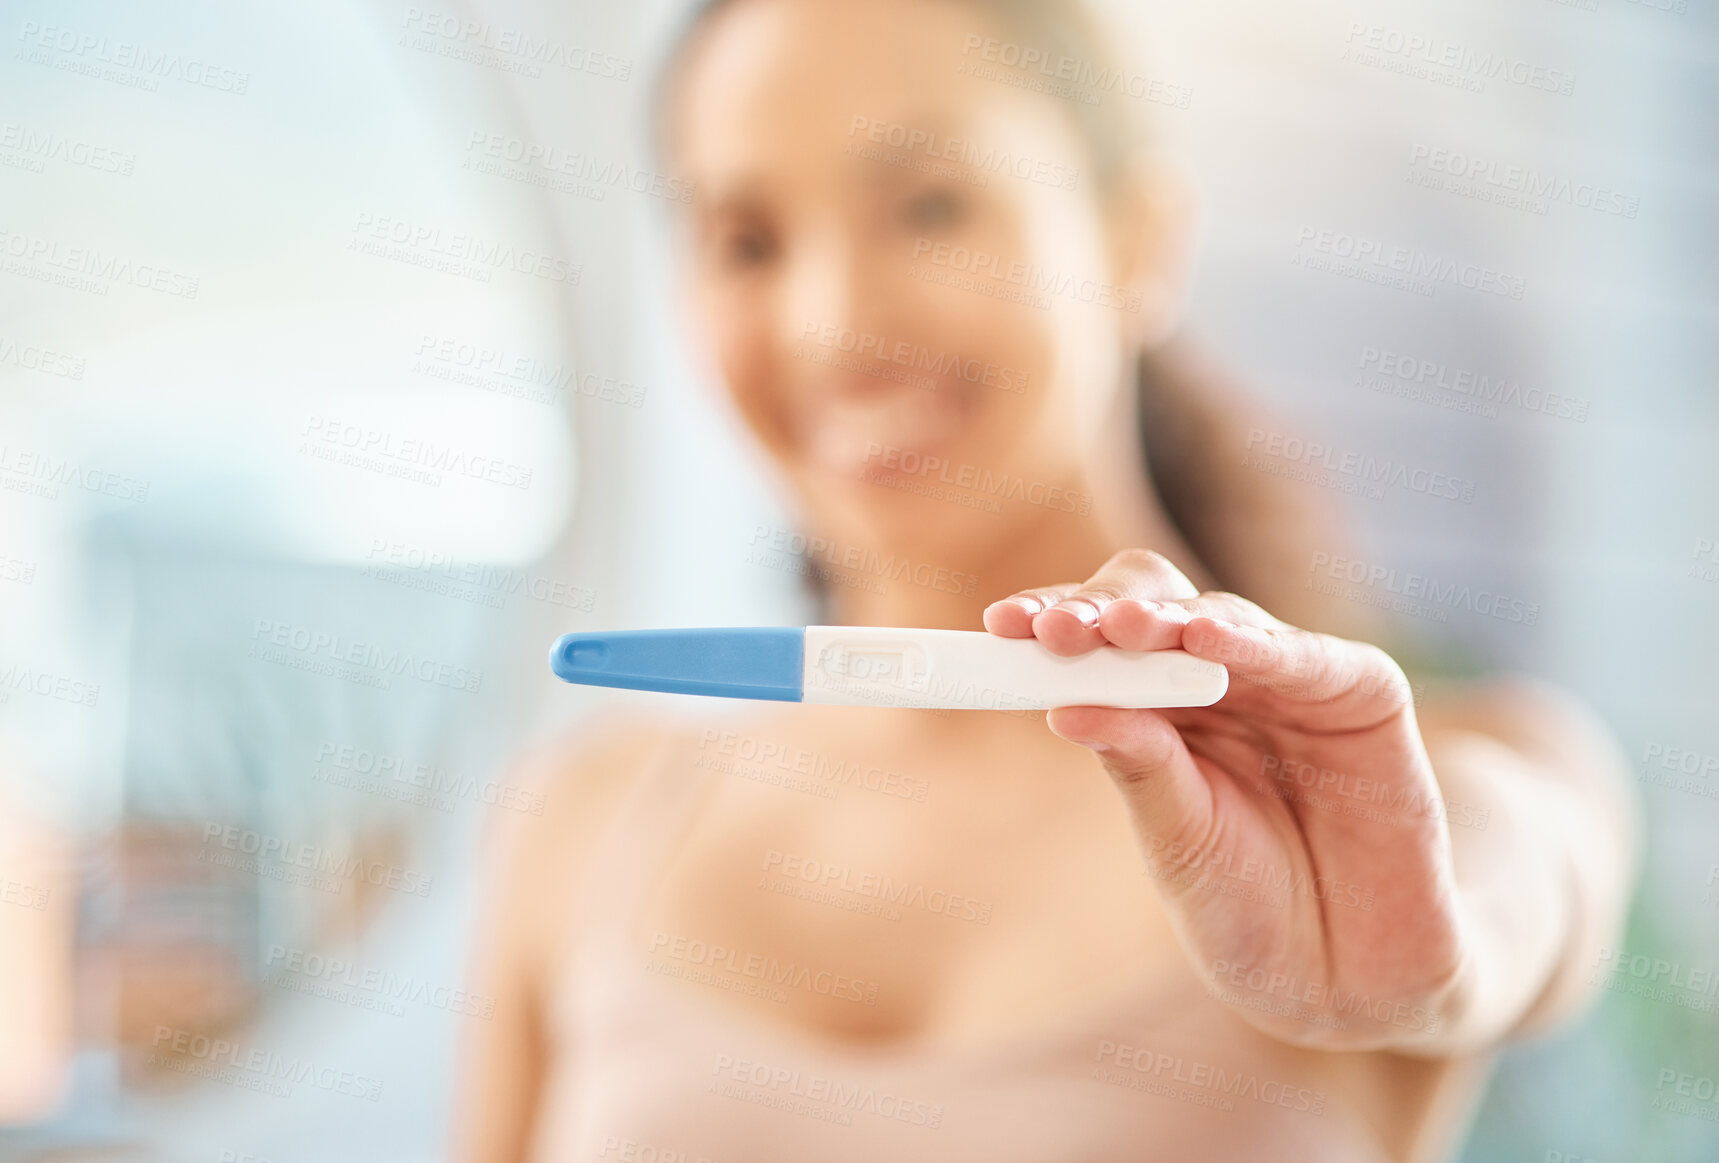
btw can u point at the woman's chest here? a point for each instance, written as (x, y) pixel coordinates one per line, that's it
(933, 921)
(859, 977)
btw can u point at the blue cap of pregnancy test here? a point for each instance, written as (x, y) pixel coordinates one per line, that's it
(764, 662)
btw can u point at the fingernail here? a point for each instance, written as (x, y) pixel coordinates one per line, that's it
(1030, 604)
(1085, 611)
(1091, 744)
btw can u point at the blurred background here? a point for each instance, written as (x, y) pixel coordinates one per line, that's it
(321, 416)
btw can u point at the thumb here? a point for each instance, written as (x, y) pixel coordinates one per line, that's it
(1168, 796)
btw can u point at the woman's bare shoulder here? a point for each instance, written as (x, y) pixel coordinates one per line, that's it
(1534, 717)
(575, 779)
(572, 783)
(579, 770)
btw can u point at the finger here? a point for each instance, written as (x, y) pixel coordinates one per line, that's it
(1357, 685)
(1136, 575)
(1012, 617)
(1133, 624)
(1168, 797)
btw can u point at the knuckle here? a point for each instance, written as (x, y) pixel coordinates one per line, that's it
(1237, 607)
(1143, 560)
(1139, 767)
(1377, 659)
(1236, 651)
(1046, 596)
(1252, 609)
(1184, 845)
(1276, 649)
(1213, 604)
(1379, 670)
(1101, 593)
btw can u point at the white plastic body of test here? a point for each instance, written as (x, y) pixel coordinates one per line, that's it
(876, 666)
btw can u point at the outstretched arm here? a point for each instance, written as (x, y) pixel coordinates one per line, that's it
(1341, 875)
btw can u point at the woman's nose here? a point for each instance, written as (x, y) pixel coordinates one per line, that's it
(834, 283)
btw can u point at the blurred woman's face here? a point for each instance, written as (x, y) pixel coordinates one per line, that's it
(893, 258)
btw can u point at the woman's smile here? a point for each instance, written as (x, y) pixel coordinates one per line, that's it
(846, 423)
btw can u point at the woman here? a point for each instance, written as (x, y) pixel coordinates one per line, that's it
(1313, 910)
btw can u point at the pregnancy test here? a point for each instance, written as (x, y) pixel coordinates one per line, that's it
(876, 666)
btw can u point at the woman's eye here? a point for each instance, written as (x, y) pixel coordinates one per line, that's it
(934, 209)
(746, 248)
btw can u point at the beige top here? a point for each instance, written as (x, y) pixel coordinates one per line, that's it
(647, 1070)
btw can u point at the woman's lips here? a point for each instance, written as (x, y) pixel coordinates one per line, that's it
(843, 428)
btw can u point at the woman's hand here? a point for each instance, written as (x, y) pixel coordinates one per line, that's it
(1295, 827)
